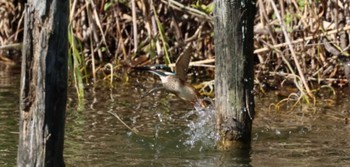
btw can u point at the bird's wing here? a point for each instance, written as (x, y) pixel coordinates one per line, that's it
(182, 63)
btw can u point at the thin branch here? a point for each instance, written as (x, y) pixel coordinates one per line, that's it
(116, 115)
(302, 39)
(134, 24)
(289, 43)
(178, 6)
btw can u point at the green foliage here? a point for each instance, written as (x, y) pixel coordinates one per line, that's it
(75, 61)
(109, 4)
(162, 36)
(302, 4)
(288, 19)
(208, 9)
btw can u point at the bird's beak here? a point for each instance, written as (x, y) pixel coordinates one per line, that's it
(161, 73)
(158, 73)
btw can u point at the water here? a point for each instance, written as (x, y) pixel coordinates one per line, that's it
(201, 130)
(169, 135)
(9, 115)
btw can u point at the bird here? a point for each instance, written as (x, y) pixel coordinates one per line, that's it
(173, 84)
(176, 83)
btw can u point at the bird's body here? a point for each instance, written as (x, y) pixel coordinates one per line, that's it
(175, 85)
(176, 82)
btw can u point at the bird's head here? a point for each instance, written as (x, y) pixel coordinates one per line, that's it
(163, 75)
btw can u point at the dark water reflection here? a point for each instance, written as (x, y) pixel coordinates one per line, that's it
(9, 114)
(301, 137)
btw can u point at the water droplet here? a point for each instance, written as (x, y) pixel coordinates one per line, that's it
(277, 132)
(201, 131)
(160, 117)
(129, 133)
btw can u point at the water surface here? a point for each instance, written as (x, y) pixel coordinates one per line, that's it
(301, 137)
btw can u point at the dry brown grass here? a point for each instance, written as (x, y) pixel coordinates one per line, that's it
(115, 35)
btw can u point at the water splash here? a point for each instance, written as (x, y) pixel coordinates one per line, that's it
(201, 130)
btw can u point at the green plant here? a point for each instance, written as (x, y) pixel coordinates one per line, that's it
(208, 9)
(75, 61)
(162, 36)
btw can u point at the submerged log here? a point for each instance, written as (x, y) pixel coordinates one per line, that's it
(234, 75)
(43, 93)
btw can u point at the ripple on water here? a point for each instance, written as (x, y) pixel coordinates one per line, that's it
(170, 136)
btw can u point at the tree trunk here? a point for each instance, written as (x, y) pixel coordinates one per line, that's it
(234, 76)
(43, 83)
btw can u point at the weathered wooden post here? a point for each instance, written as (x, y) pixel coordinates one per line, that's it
(43, 83)
(234, 76)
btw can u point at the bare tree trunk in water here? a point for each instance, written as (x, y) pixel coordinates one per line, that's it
(234, 76)
(43, 83)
